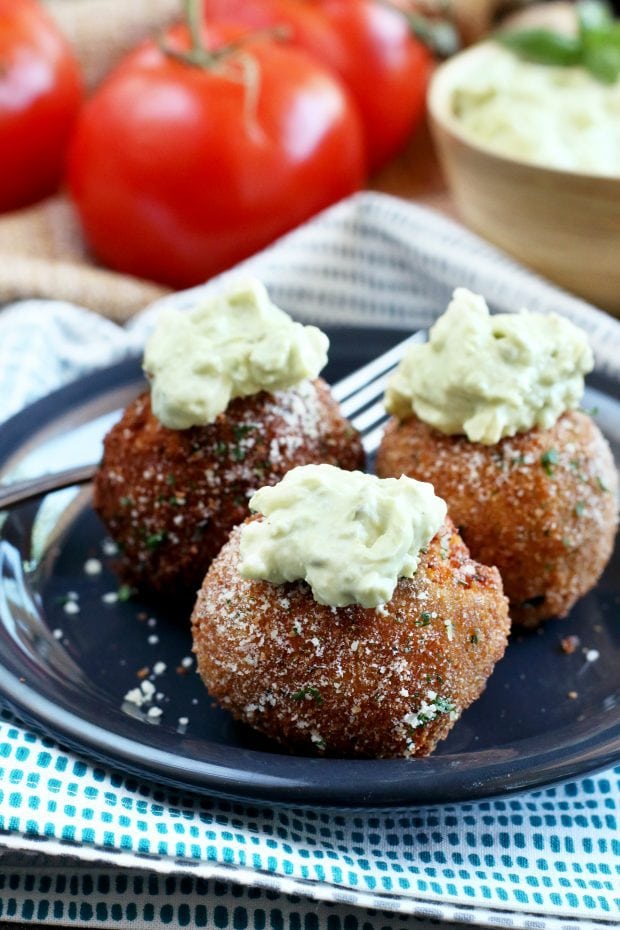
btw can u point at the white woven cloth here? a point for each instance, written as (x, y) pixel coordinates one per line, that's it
(372, 260)
(546, 860)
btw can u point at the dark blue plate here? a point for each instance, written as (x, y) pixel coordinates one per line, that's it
(69, 672)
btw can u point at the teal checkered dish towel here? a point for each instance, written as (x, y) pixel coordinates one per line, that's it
(548, 859)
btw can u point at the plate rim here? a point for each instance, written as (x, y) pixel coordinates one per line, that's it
(379, 783)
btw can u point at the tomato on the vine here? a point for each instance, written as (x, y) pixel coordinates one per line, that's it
(40, 92)
(181, 169)
(369, 44)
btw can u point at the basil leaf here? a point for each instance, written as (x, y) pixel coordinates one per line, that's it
(543, 46)
(602, 61)
(596, 47)
(610, 36)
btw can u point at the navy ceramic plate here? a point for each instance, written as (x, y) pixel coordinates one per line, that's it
(70, 651)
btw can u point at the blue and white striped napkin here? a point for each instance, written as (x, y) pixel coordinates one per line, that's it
(546, 860)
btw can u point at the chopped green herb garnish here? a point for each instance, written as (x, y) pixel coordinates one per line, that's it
(444, 705)
(549, 460)
(221, 449)
(576, 466)
(153, 540)
(580, 507)
(313, 693)
(424, 619)
(238, 453)
(170, 479)
(242, 429)
(474, 638)
(126, 501)
(125, 592)
(439, 705)
(601, 485)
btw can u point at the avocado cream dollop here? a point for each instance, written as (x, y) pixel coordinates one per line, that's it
(559, 117)
(491, 376)
(231, 345)
(349, 535)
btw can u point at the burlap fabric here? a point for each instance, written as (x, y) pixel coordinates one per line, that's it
(42, 252)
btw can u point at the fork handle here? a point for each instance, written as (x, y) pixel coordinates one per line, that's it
(20, 491)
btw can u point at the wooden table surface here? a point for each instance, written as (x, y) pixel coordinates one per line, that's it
(43, 253)
(416, 175)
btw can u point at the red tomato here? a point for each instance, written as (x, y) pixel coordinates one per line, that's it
(179, 171)
(40, 92)
(370, 47)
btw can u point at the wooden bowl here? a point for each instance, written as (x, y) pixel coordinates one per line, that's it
(563, 224)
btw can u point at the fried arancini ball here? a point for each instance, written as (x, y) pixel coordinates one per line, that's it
(352, 681)
(170, 497)
(540, 505)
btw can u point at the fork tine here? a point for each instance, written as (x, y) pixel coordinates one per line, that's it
(358, 379)
(369, 417)
(364, 396)
(360, 394)
(371, 440)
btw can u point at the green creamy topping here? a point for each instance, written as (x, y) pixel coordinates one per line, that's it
(491, 376)
(349, 535)
(558, 117)
(231, 345)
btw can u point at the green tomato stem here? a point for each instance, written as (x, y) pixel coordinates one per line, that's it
(194, 16)
(438, 34)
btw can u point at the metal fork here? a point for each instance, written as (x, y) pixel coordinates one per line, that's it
(360, 395)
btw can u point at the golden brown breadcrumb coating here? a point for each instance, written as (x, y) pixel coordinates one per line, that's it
(170, 497)
(541, 505)
(351, 681)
